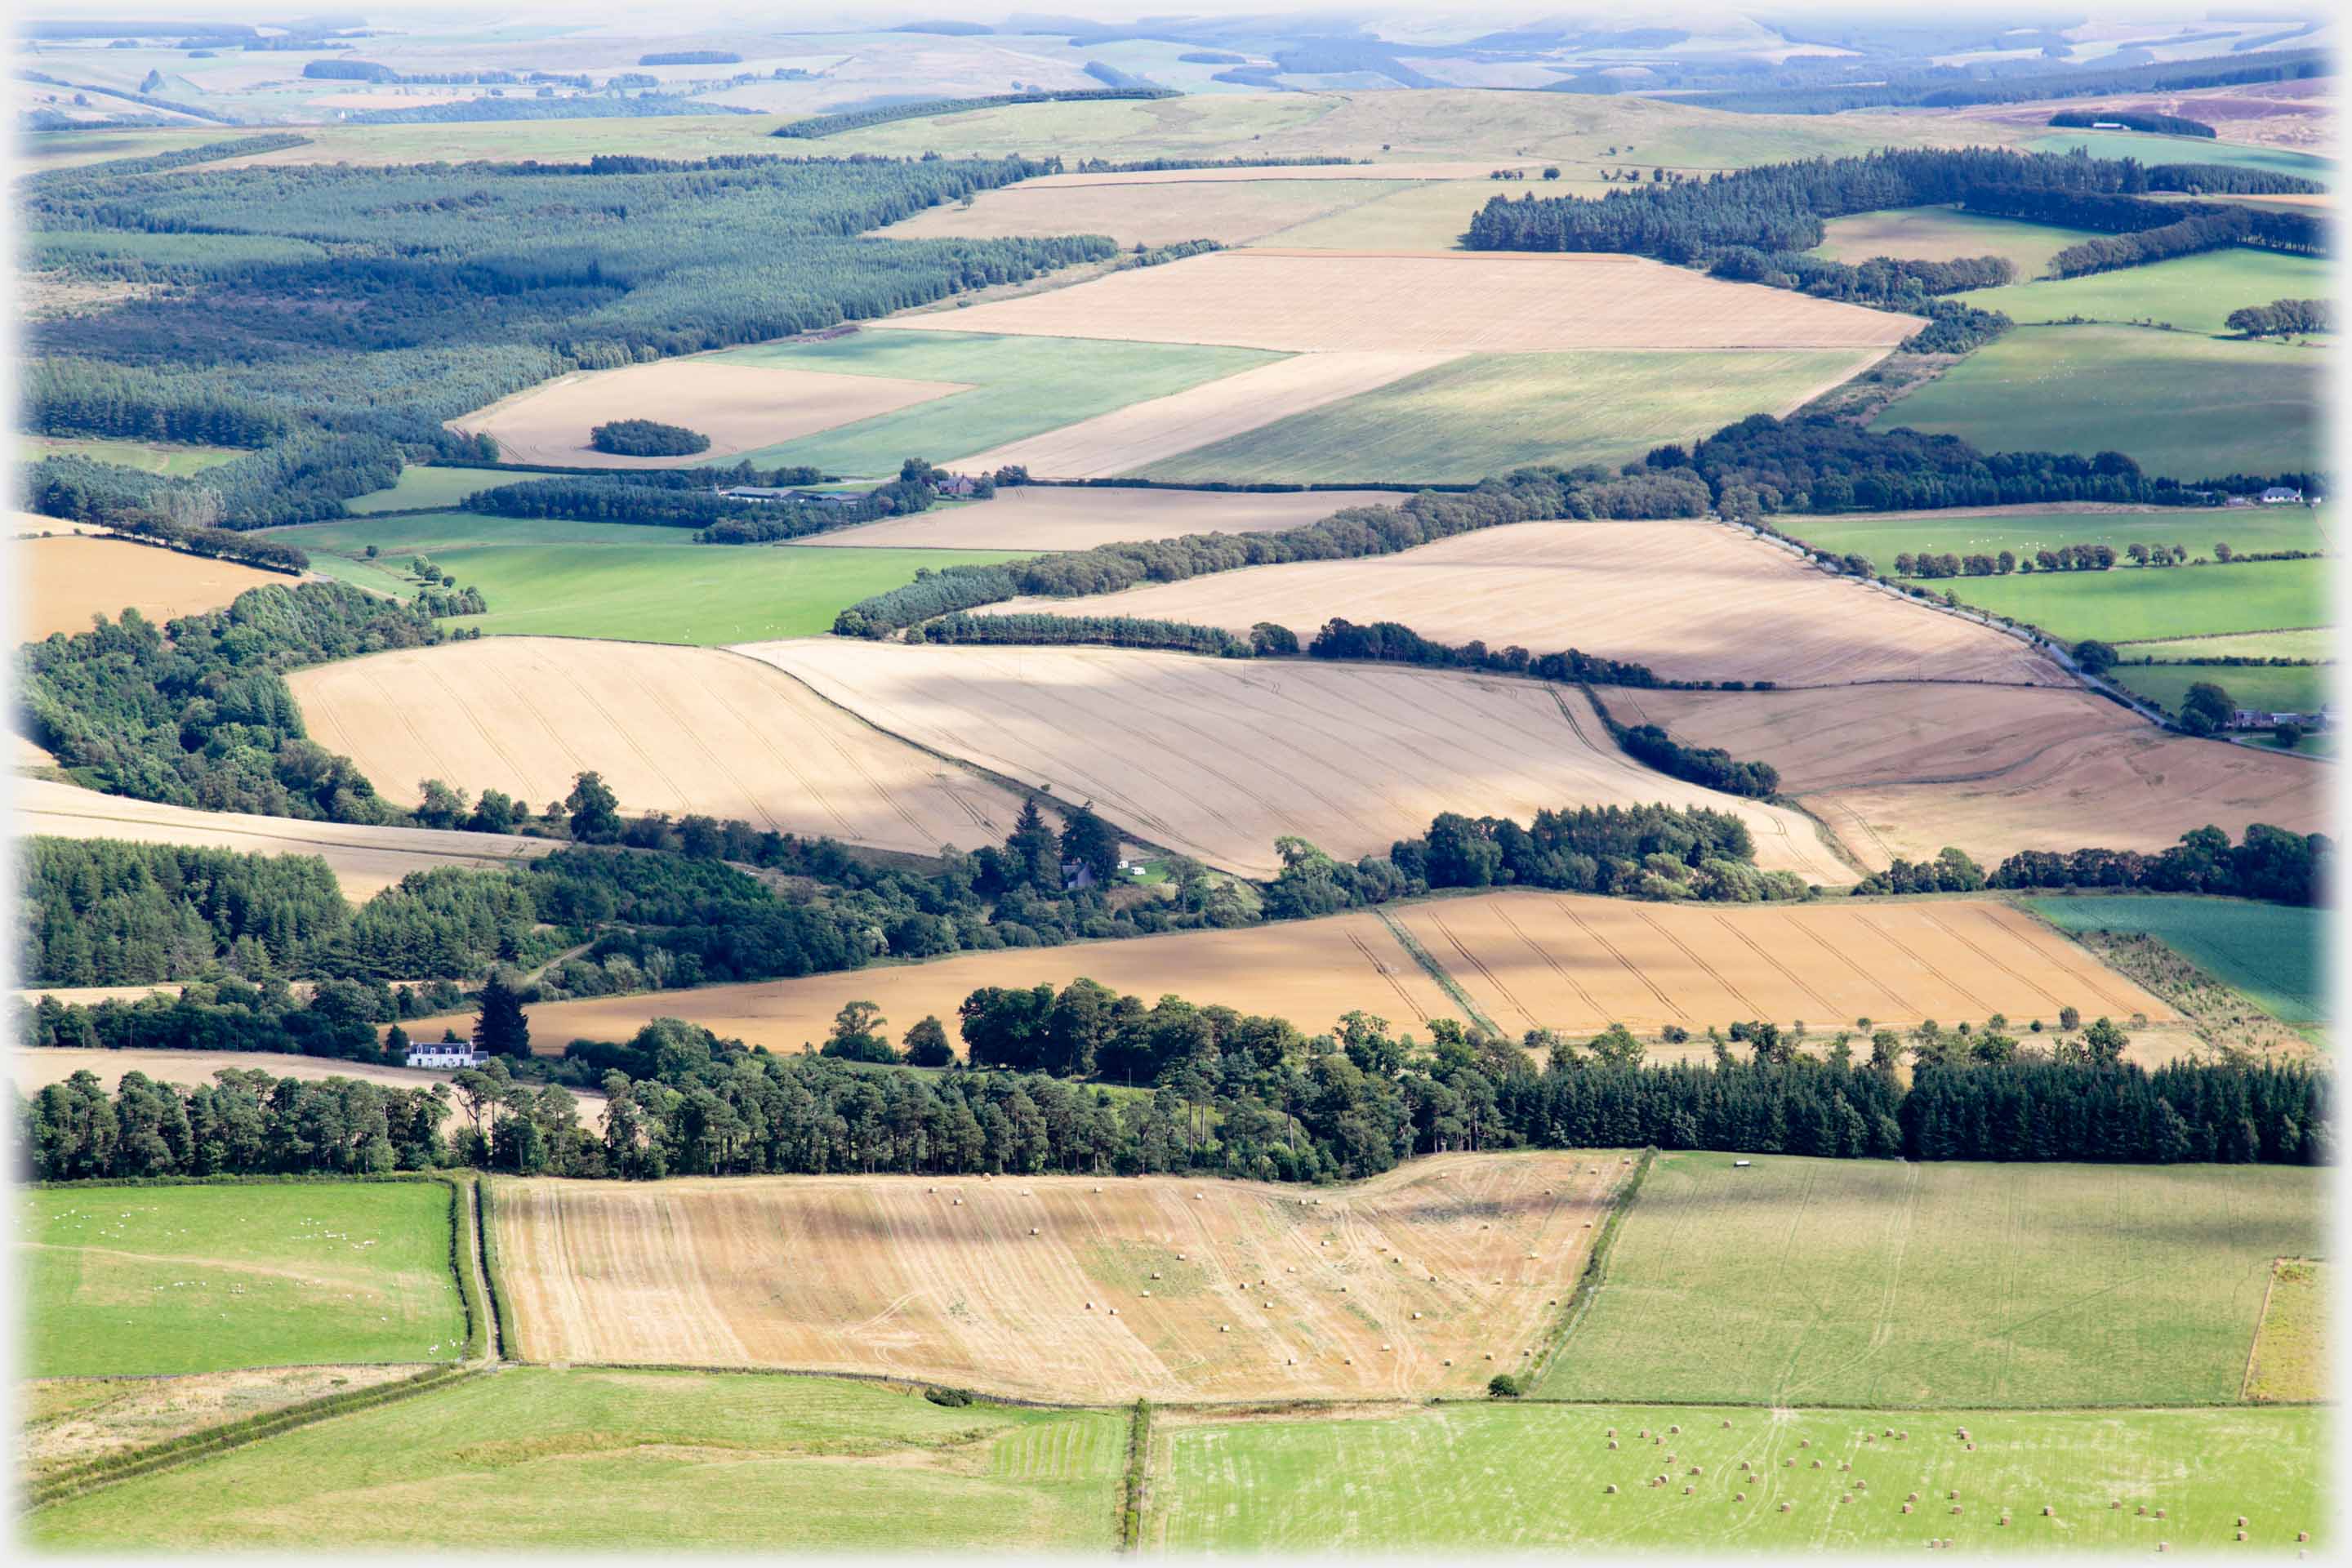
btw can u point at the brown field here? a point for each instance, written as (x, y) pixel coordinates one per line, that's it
(32, 1068)
(1221, 1289)
(672, 728)
(68, 580)
(1898, 770)
(1694, 601)
(1329, 300)
(1313, 972)
(1140, 434)
(365, 860)
(1134, 210)
(1217, 759)
(1557, 960)
(96, 1417)
(2300, 116)
(740, 408)
(1045, 518)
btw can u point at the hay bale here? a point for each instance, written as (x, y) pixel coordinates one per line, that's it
(1612, 1488)
(1784, 1508)
(2047, 1511)
(1612, 1442)
(1817, 1464)
(1223, 1329)
(1687, 1490)
(1033, 1230)
(1673, 1429)
(1956, 1508)
(2242, 1522)
(1727, 1426)
(1804, 1442)
(1417, 1316)
(1907, 1507)
(1114, 1311)
(1147, 1295)
(2159, 1513)
(1739, 1497)
(959, 1203)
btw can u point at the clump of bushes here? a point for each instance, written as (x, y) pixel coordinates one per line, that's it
(648, 439)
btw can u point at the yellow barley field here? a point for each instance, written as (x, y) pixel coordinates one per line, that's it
(1575, 963)
(365, 860)
(1694, 601)
(1046, 518)
(740, 408)
(1142, 433)
(671, 729)
(1329, 300)
(1217, 759)
(67, 581)
(1428, 1280)
(1905, 771)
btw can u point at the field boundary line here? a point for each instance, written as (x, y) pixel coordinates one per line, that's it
(464, 1249)
(2254, 1345)
(1436, 971)
(194, 1446)
(1587, 1289)
(505, 1340)
(1138, 1449)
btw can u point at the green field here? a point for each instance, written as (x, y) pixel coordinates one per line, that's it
(422, 487)
(2134, 603)
(532, 1457)
(2315, 643)
(167, 1280)
(2246, 530)
(2153, 150)
(149, 457)
(2194, 293)
(396, 538)
(1944, 234)
(1865, 1282)
(2276, 688)
(700, 593)
(1020, 386)
(2273, 954)
(1420, 215)
(2190, 407)
(1527, 1477)
(1484, 413)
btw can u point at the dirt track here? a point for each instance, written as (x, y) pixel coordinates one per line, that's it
(891, 1274)
(1217, 759)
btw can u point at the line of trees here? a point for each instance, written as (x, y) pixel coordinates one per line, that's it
(1105, 631)
(1389, 642)
(2283, 319)
(2133, 119)
(2269, 863)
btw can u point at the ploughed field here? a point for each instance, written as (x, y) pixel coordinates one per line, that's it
(1904, 771)
(1218, 758)
(1574, 963)
(1430, 1278)
(1694, 601)
(678, 730)
(68, 581)
(366, 859)
(1043, 518)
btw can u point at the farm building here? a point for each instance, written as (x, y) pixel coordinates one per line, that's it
(445, 1054)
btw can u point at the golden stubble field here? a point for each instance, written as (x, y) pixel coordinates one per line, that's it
(1312, 973)
(1694, 601)
(1331, 300)
(1042, 517)
(1217, 759)
(1067, 1288)
(1538, 960)
(1905, 772)
(65, 582)
(671, 729)
(364, 859)
(740, 408)
(1142, 433)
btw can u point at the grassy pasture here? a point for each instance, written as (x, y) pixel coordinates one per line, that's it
(2279, 687)
(1484, 413)
(532, 1457)
(2193, 293)
(1020, 386)
(2149, 149)
(1944, 234)
(2196, 530)
(1860, 1283)
(2275, 955)
(399, 537)
(2185, 407)
(680, 592)
(2290, 1359)
(2132, 604)
(1426, 214)
(171, 1279)
(2312, 643)
(420, 488)
(149, 457)
(1502, 1477)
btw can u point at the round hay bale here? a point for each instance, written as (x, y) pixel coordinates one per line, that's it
(1956, 1508)
(1911, 1497)
(1417, 1316)
(1687, 1490)
(2242, 1522)
(1147, 1295)
(1673, 1429)
(1155, 1276)
(2047, 1511)
(2159, 1513)
(1972, 1447)
(1804, 1442)
(1784, 1508)
(1026, 1193)
(1612, 1488)
(959, 1203)
(1179, 1257)
(1739, 1497)
(1033, 1230)
(1727, 1426)
(1114, 1311)
(1612, 1442)
(1817, 1464)
(1788, 1464)
(1951, 1495)
(1907, 1507)
(1090, 1306)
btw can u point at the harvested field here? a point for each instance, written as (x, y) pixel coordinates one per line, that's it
(1232, 1289)
(2290, 1359)
(1650, 592)
(1218, 759)
(1577, 965)
(365, 860)
(68, 580)
(1044, 518)
(114, 1415)
(1143, 434)
(1898, 770)
(671, 729)
(1428, 215)
(1310, 972)
(1135, 209)
(1323, 301)
(741, 407)
(1944, 234)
